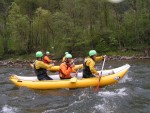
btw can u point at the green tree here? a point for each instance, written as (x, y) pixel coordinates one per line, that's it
(42, 29)
(18, 28)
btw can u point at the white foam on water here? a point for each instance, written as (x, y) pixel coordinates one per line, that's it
(106, 106)
(121, 92)
(125, 79)
(83, 96)
(54, 110)
(9, 109)
(63, 108)
(76, 102)
(118, 92)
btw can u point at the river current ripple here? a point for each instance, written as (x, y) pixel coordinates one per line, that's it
(130, 95)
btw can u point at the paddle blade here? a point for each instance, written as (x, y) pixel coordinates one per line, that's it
(74, 79)
(98, 85)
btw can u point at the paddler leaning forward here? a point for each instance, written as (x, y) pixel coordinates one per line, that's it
(89, 64)
(40, 67)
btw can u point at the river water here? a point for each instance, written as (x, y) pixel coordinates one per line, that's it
(130, 95)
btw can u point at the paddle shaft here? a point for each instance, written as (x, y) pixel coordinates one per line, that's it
(101, 75)
(77, 72)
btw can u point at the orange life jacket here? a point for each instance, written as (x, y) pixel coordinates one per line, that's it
(65, 71)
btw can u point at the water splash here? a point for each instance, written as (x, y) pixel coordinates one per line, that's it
(118, 92)
(109, 100)
(9, 109)
(125, 79)
(104, 108)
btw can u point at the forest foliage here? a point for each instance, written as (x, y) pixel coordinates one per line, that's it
(77, 26)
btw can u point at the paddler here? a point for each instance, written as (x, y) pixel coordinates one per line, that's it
(89, 64)
(40, 67)
(66, 68)
(47, 58)
(63, 60)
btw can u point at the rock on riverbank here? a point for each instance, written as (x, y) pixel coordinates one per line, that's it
(22, 63)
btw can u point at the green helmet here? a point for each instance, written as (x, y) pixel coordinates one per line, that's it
(68, 56)
(39, 54)
(47, 52)
(92, 52)
(66, 53)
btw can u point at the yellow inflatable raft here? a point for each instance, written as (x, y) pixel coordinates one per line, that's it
(109, 77)
(56, 68)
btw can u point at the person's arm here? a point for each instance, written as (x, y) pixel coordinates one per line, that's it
(98, 58)
(92, 68)
(63, 60)
(44, 65)
(65, 70)
(72, 65)
(73, 70)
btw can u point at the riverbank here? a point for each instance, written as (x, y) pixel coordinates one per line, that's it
(19, 62)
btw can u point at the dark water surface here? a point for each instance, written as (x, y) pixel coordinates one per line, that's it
(130, 95)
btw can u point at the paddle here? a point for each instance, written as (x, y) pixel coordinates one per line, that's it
(98, 85)
(74, 79)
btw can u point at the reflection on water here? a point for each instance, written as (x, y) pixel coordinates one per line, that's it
(131, 94)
